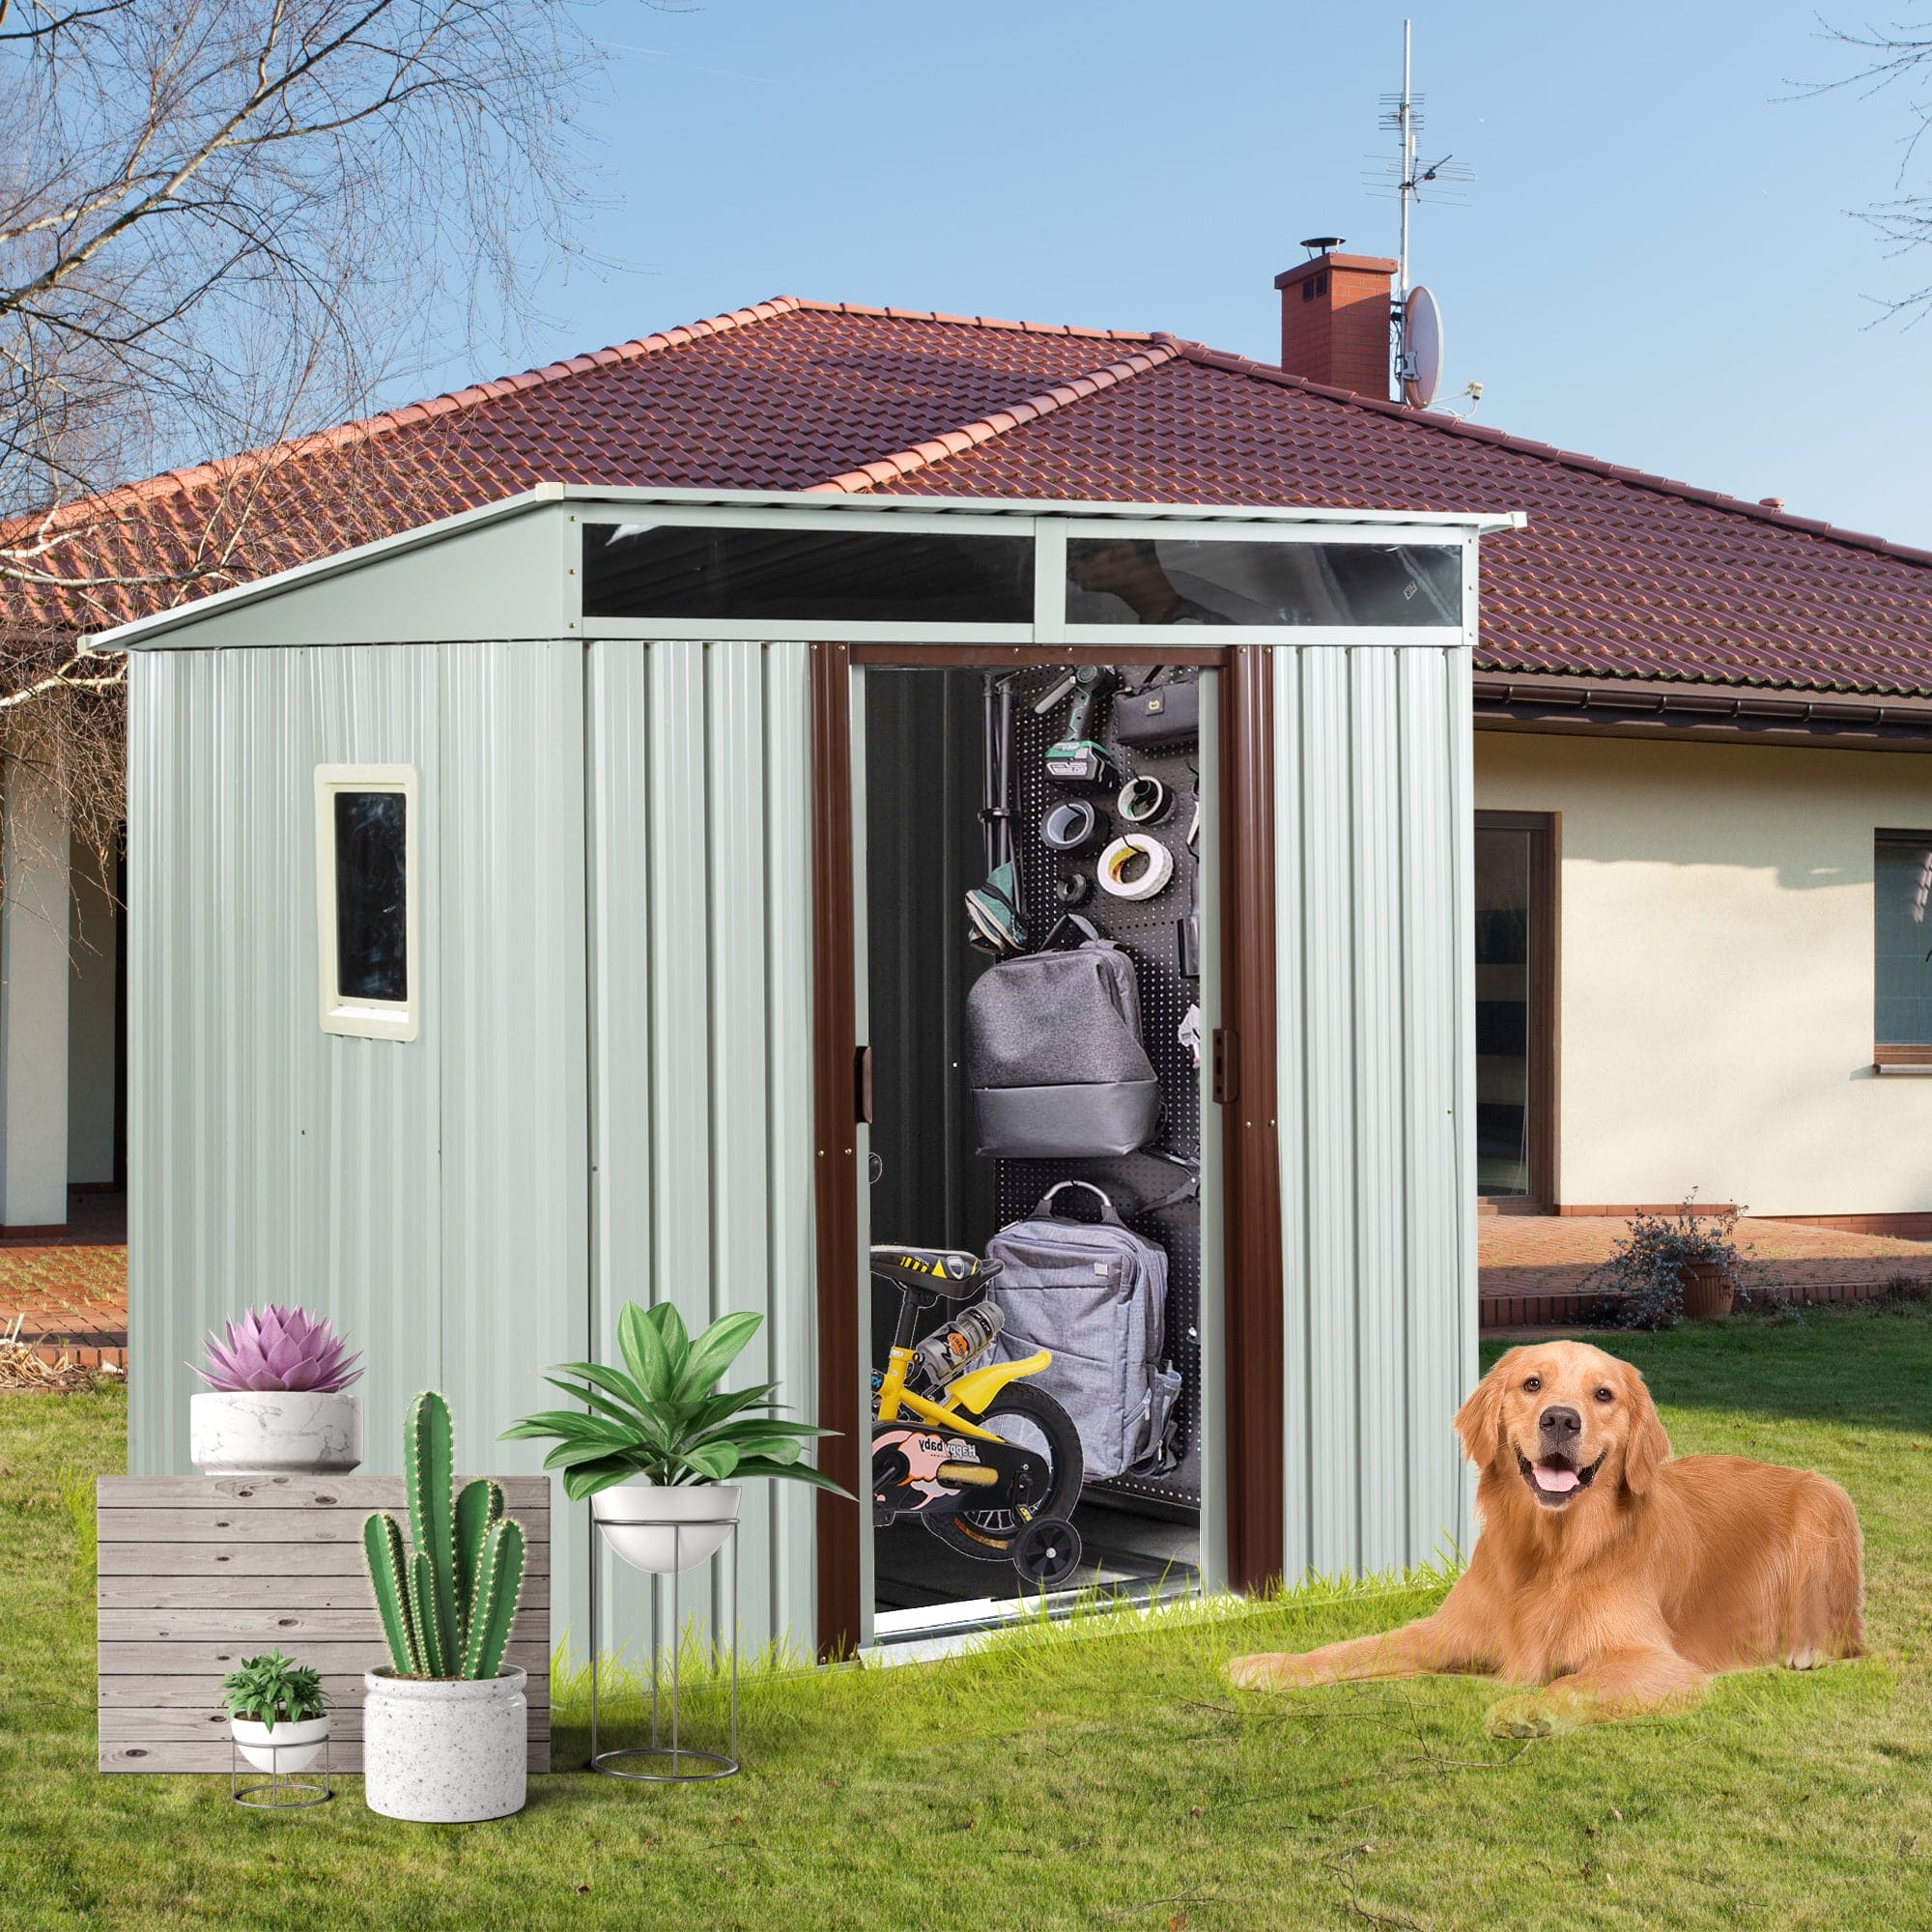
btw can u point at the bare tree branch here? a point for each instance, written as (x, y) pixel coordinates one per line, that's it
(223, 224)
(1893, 57)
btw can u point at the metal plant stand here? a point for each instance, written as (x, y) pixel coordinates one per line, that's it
(678, 1763)
(285, 1790)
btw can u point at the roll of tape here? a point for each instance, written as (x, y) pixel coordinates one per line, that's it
(1152, 867)
(1073, 888)
(1145, 800)
(1072, 827)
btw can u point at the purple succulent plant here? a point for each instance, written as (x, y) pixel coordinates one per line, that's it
(279, 1349)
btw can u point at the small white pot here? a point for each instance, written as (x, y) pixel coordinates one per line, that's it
(274, 1433)
(445, 1750)
(665, 1530)
(288, 1748)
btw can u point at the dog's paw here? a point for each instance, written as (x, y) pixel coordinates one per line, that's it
(1811, 1659)
(1530, 1714)
(1256, 1673)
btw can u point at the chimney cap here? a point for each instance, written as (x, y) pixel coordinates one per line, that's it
(1322, 244)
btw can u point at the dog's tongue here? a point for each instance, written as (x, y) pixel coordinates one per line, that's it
(1555, 1479)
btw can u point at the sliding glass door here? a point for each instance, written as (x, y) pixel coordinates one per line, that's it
(1515, 1043)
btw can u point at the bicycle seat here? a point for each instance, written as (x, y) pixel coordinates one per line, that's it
(941, 1271)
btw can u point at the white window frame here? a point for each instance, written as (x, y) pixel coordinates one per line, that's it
(365, 1019)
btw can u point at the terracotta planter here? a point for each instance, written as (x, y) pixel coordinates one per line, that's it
(1708, 1293)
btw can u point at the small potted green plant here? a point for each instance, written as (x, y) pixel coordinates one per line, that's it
(276, 1711)
(444, 1730)
(1669, 1267)
(657, 1449)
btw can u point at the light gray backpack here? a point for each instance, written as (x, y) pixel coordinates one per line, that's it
(1053, 1055)
(1095, 1292)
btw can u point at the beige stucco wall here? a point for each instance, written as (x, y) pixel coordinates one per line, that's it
(1714, 972)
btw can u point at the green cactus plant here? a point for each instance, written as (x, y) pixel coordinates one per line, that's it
(448, 1603)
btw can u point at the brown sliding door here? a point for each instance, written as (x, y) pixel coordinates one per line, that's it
(1516, 1031)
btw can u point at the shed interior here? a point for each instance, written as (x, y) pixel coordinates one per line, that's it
(933, 737)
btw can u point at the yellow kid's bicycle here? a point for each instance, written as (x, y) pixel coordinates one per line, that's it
(990, 1466)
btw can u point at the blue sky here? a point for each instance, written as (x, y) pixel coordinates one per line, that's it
(1657, 264)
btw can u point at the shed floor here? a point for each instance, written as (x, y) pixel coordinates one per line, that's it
(1121, 1550)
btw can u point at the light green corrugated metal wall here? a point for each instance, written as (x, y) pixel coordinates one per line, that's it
(700, 1045)
(428, 1196)
(612, 1094)
(1372, 832)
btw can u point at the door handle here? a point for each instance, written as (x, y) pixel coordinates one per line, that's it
(1226, 1067)
(862, 1085)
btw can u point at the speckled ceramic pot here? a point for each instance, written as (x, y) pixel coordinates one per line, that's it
(274, 1433)
(287, 1749)
(445, 1750)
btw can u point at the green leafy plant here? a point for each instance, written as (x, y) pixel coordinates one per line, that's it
(266, 1689)
(662, 1416)
(1644, 1279)
(448, 1603)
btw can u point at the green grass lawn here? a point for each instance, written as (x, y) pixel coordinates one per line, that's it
(1094, 1781)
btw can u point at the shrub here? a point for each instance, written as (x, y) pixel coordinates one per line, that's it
(1643, 1283)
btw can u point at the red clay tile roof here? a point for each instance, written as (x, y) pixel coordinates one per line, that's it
(1619, 573)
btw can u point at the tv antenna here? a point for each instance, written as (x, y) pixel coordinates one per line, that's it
(1415, 319)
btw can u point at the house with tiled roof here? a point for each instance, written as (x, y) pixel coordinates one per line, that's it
(1703, 726)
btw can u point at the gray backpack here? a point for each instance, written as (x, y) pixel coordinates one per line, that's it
(1096, 1294)
(1053, 1055)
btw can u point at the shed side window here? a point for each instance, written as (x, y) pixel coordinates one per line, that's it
(1902, 961)
(372, 946)
(365, 887)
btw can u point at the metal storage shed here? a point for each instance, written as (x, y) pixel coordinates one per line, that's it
(621, 1060)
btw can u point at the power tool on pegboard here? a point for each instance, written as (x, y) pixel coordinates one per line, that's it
(1079, 758)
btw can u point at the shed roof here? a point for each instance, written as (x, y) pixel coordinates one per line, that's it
(1620, 574)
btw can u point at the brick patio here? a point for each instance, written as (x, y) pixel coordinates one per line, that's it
(1532, 1267)
(71, 1293)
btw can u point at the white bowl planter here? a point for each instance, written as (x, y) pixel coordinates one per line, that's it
(287, 1749)
(274, 1433)
(445, 1750)
(665, 1530)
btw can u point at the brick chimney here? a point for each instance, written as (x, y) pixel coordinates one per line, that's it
(1335, 318)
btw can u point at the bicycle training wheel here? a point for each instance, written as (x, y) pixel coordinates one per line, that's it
(1030, 1420)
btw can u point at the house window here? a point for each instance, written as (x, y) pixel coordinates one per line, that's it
(366, 882)
(1902, 958)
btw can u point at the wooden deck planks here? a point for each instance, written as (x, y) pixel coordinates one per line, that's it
(196, 1574)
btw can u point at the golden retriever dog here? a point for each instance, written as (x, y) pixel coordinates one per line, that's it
(1614, 1576)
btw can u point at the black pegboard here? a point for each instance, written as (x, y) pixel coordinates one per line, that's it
(1149, 931)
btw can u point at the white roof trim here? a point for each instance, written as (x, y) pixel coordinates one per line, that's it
(136, 636)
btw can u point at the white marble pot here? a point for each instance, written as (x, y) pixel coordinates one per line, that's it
(288, 1748)
(445, 1750)
(668, 1529)
(274, 1433)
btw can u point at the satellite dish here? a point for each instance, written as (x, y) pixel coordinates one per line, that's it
(1421, 348)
